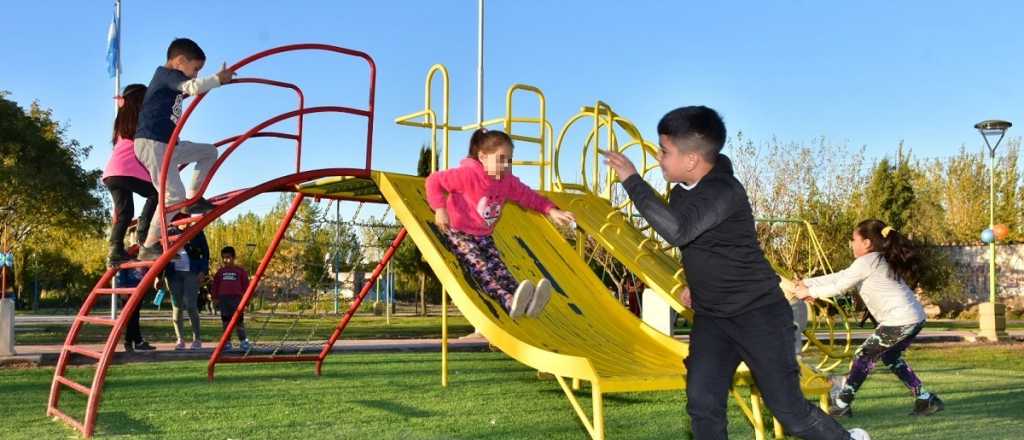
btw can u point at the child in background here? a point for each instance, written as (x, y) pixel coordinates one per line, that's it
(885, 264)
(133, 334)
(229, 284)
(161, 109)
(467, 202)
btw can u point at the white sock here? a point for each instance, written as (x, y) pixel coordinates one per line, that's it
(924, 395)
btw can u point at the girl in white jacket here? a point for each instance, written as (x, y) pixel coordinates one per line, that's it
(886, 263)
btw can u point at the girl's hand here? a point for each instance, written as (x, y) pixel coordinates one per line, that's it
(684, 297)
(802, 292)
(441, 220)
(561, 218)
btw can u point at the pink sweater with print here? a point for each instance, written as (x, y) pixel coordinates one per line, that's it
(124, 163)
(474, 199)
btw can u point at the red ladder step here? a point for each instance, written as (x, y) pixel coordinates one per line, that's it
(73, 385)
(53, 411)
(77, 349)
(115, 291)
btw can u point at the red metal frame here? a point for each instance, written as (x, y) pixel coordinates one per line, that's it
(172, 143)
(223, 202)
(359, 299)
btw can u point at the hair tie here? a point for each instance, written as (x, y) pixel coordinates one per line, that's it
(885, 231)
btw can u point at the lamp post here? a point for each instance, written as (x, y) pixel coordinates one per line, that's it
(992, 315)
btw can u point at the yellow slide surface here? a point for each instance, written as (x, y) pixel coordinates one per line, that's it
(583, 333)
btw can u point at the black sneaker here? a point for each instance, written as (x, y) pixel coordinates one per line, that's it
(150, 253)
(128, 347)
(927, 407)
(144, 346)
(117, 257)
(837, 412)
(201, 206)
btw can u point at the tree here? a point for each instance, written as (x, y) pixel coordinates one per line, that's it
(890, 192)
(45, 188)
(408, 258)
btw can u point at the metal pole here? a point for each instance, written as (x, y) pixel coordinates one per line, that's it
(991, 225)
(480, 65)
(336, 257)
(117, 67)
(117, 92)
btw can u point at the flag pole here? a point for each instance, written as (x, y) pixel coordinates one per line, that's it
(117, 64)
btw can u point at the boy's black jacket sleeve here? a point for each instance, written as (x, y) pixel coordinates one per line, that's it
(681, 223)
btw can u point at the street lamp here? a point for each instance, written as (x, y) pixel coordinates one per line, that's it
(992, 315)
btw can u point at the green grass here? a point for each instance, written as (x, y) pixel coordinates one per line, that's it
(362, 326)
(397, 396)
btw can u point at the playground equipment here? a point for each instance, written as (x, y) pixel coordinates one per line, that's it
(584, 337)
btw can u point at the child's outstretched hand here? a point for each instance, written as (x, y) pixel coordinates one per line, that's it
(620, 163)
(561, 218)
(441, 219)
(225, 75)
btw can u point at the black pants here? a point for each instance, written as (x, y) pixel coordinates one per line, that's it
(763, 338)
(133, 334)
(121, 189)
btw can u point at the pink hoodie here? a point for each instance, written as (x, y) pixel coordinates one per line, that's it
(474, 199)
(124, 163)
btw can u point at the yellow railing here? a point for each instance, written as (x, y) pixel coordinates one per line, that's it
(507, 122)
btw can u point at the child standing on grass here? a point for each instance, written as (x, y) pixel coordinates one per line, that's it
(467, 203)
(740, 314)
(161, 109)
(885, 265)
(229, 284)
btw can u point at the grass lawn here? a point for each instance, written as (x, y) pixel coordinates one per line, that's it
(362, 326)
(397, 396)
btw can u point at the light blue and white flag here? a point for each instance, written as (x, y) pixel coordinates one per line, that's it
(114, 44)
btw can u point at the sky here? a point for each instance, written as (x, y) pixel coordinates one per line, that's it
(868, 74)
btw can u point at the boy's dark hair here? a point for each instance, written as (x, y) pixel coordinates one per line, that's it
(186, 47)
(899, 251)
(128, 114)
(228, 250)
(697, 126)
(487, 141)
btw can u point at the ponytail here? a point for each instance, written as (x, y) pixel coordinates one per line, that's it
(487, 141)
(899, 251)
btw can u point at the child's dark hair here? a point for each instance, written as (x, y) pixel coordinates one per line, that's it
(899, 251)
(695, 123)
(127, 118)
(487, 141)
(186, 47)
(227, 250)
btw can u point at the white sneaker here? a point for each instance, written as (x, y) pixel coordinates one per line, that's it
(521, 299)
(859, 434)
(197, 345)
(180, 345)
(541, 296)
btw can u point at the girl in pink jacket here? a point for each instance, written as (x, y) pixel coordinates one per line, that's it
(467, 202)
(125, 175)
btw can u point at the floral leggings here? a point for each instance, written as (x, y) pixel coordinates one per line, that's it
(479, 256)
(887, 344)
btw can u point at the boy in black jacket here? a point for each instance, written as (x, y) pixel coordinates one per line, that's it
(740, 311)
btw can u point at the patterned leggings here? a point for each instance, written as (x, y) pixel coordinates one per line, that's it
(888, 344)
(479, 256)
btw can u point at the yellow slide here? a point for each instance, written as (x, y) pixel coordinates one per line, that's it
(583, 334)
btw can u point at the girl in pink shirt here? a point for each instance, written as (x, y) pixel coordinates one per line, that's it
(467, 202)
(125, 175)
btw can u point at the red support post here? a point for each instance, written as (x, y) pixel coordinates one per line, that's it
(359, 298)
(254, 283)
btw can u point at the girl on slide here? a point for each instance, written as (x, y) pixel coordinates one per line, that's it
(467, 202)
(884, 269)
